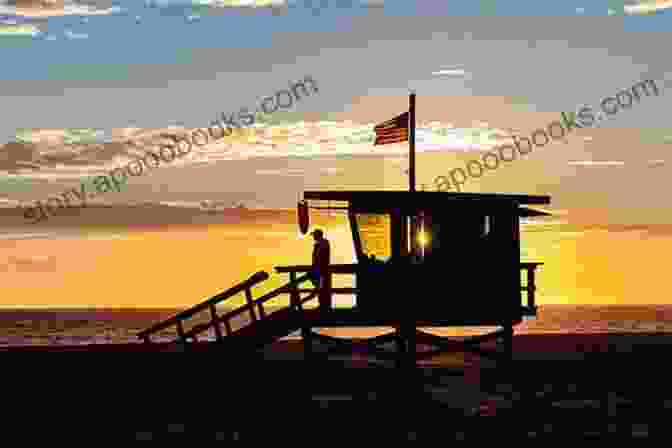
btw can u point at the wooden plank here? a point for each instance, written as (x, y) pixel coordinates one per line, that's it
(340, 317)
(305, 268)
(420, 198)
(352, 268)
(334, 290)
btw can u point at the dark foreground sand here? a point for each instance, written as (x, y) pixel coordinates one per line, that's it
(558, 387)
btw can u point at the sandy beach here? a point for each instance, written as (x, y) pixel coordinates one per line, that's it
(568, 386)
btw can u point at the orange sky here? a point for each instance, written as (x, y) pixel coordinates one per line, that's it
(181, 267)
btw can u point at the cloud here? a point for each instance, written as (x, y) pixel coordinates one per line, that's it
(647, 7)
(286, 172)
(217, 3)
(58, 154)
(596, 163)
(449, 72)
(298, 172)
(28, 9)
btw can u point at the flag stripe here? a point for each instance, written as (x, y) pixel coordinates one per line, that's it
(400, 138)
(393, 122)
(396, 122)
(381, 141)
(388, 142)
(393, 137)
(393, 125)
(392, 133)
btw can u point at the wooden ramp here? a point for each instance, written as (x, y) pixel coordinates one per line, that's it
(263, 328)
(274, 326)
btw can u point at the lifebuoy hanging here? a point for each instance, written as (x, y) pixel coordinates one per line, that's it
(304, 217)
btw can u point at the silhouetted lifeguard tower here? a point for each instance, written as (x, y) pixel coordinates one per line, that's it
(441, 260)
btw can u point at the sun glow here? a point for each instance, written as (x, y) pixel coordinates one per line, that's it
(423, 238)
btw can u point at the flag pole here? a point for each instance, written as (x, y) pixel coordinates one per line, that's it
(411, 169)
(411, 143)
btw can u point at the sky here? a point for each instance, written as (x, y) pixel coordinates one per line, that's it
(478, 69)
(86, 84)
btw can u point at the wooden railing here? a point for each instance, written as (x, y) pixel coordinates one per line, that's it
(179, 318)
(530, 286)
(326, 292)
(216, 321)
(289, 288)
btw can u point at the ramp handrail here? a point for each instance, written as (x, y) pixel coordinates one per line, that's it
(256, 278)
(288, 288)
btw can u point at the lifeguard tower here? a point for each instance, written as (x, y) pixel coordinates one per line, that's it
(423, 259)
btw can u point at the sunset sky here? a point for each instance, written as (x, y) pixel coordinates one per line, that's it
(79, 80)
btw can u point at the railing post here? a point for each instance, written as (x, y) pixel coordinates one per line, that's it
(250, 303)
(218, 328)
(325, 291)
(530, 286)
(180, 331)
(293, 291)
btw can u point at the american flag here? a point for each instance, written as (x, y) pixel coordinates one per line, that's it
(392, 131)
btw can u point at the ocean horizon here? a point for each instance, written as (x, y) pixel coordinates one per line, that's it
(54, 327)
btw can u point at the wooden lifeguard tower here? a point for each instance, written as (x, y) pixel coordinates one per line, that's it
(423, 259)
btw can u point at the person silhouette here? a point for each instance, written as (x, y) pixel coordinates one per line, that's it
(321, 257)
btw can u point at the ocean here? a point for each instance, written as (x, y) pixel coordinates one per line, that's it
(76, 327)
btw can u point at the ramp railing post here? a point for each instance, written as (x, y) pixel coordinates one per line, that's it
(250, 303)
(530, 286)
(215, 322)
(325, 297)
(180, 331)
(293, 292)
